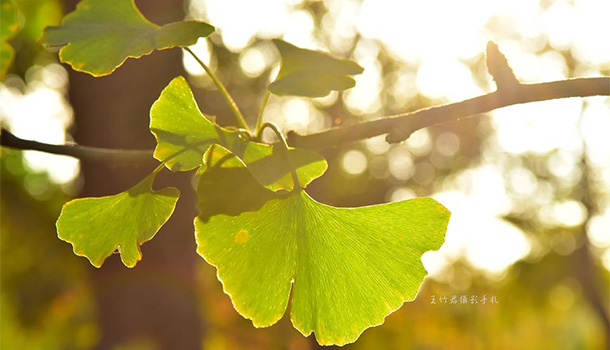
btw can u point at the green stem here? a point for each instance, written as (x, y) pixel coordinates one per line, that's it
(259, 120)
(223, 91)
(284, 147)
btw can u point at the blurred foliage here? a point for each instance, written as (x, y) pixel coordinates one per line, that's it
(545, 301)
(46, 302)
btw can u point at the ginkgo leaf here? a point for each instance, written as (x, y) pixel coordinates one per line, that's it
(9, 26)
(311, 73)
(348, 268)
(101, 34)
(183, 135)
(96, 227)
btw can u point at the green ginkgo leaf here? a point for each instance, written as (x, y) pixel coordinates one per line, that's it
(96, 227)
(311, 73)
(183, 135)
(348, 268)
(9, 26)
(101, 34)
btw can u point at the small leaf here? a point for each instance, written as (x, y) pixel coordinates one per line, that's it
(184, 134)
(9, 26)
(96, 227)
(311, 73)
(101, 34)
(348, 268)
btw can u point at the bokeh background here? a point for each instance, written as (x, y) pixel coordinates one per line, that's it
(528, 186)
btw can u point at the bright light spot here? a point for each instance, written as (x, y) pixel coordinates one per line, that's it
(523, 129)
(300, 30)
(522, 181)
(377, 145)
(595, 127)
(562, 164)
(401, 194)
(447, 144)
(297, 114)
(240, 21)
(41, 114)
(570, 213)
(364, 97)
(446, 78)
(554, 20)
(589, 38)
(420, 142)
(202, 50)
(341, 20)
(354, 162)
(529, 67)
(598, 230)
(252, 62)
(499, 247)
(488, 242)
(327, 100)
(434, 262)
(401, 163)
(411, 28)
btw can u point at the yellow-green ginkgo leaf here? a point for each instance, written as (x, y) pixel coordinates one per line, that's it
(346, 268)
(9, 26)
(183, 135)
(96, 227)
(101, 34)
(311, 73)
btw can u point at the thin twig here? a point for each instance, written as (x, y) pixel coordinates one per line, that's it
(399, 127)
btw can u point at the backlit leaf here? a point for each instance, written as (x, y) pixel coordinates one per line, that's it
(101, 34)
(9, 26)
(348, 268)
(179, 126)
(311, 73)
(97, 227)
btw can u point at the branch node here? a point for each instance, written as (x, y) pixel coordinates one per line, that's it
(498, 67)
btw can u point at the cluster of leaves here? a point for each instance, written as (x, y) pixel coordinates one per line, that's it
(348, 268)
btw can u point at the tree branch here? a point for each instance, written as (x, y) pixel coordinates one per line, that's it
(397, 127)
(77, 151)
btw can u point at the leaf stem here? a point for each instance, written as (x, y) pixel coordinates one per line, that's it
(223, 91)
(284, 147)
(259, 120)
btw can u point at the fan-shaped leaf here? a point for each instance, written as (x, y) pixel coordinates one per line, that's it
(348, 268)
(311, 73)
(96, 227)
(183, 135)
(101, 34)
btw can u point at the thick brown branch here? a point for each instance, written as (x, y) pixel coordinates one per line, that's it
(397, 127)
(401, 126)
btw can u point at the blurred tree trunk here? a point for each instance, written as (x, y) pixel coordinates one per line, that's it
(156, 302)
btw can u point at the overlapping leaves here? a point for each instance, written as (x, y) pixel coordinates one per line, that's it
(97, 227)
(101, 34)
(180, 127)
(348, 268)
(311, 73)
